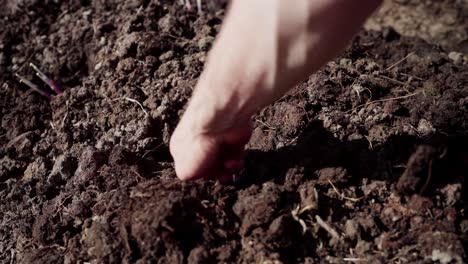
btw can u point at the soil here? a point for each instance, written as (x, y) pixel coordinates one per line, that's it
(365, 161)
(440, 22)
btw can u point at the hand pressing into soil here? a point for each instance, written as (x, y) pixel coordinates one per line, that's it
(265, 47)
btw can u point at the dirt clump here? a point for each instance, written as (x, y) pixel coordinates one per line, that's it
(366, 160)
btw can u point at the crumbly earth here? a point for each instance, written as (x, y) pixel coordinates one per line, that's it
(443, 22)
(366, 160)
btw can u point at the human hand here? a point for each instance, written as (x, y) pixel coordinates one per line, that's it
(207, 154)
(265, 47)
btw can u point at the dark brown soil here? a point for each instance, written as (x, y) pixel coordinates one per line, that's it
(367, 160)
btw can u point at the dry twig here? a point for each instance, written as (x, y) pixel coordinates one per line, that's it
(295, 214)
(398, 62)
(342, 196)
(265, 124)
(383, 100)
(353, 259)
(327, 228)
(133, 101)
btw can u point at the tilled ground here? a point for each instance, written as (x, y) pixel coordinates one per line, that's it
(365, 161)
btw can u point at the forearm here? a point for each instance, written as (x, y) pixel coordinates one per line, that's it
(266, 47)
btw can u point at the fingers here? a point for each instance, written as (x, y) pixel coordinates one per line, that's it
(210, 162)
(194, 158)
(229, 164)
(232, 152)
(209, 156)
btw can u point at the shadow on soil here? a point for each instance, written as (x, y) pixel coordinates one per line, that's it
(416, 165)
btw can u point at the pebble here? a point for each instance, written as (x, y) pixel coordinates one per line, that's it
(456, 57)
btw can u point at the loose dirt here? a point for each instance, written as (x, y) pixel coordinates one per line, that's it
(365, 161)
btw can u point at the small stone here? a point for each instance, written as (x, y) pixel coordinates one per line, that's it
(198, 255)
(98, 66)
(86, 13)
(283, 231)
(351, 229)
(167, 24)
(35, 170)
(166, 56)
(338, 174)
(464, 226)
(442, 257)
(344, 62)
(372, 66)
(412, 179)
(205, 42)
(425, 127)
(452, 193)
(456, 57)
(355, 136)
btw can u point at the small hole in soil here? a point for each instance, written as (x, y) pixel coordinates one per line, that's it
(402, 111)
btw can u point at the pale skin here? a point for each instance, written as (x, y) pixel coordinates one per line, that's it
(265, 48)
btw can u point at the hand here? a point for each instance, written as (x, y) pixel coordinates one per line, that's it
(199, 154)
(264, 48)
